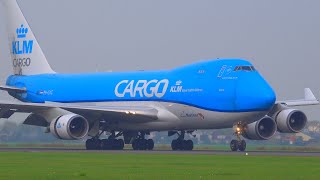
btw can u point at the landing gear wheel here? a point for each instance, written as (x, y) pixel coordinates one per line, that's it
(142, 144)
(98, 144)
(120, 144)
(93, 144)
(150, 144)
(174, 145)
(234, 145)
(180, 144)
(189, 145)
(184, 145)
(115, 144)
(105, 144)
(242, 145)
(135, 144)
(112, 144)
(89, 144)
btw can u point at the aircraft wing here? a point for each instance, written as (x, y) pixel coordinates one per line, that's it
(309, 99)
(132, 113)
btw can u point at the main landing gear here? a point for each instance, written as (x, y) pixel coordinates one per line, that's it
(140, 143)
(181, 144)
(112, 143)
(93, 144)
(238, 144)
(105, 144)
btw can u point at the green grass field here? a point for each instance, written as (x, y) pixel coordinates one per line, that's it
(38, 165)
(168, 147)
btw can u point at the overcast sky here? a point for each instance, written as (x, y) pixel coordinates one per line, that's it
(281, 38)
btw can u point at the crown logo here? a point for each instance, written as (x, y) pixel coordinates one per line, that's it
(178, 83)
(22, 32)
(58, 125)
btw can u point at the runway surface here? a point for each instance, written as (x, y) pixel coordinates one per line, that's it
(195, 152)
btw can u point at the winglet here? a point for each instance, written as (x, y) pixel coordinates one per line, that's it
(308, 95)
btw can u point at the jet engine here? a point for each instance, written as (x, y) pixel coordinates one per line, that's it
(291, 121)
(69, 127)
(260, 130)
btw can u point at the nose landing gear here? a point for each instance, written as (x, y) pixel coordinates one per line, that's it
(238, 144)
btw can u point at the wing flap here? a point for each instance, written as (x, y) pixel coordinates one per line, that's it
(120, 113)
(36, 120)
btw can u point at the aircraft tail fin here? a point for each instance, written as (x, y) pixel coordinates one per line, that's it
(26, 55)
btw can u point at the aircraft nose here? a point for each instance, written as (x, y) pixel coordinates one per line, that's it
(266, 99)
(257, 97)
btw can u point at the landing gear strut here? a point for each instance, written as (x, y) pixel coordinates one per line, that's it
(181, 144)
(238, 144)
(140, 143)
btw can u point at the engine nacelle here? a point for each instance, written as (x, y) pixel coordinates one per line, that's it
(291, 121)
(260, 130)
(69, 127)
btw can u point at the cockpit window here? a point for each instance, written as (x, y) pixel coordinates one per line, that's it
(244, 68)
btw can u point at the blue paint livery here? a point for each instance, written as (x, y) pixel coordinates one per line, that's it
(212, 85)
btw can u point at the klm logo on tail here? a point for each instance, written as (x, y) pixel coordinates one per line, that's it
(22, 46)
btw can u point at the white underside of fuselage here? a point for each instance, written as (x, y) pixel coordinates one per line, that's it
(173, 116)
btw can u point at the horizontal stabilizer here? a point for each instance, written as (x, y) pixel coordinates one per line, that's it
(13, 89)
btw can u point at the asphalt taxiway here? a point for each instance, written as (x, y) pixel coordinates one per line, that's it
(194, 152)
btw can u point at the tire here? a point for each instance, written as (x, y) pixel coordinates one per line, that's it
(135, 144)
(97, 144)
(89, 144)
(189, 145)
(150, 144)
(180, 145)
(174, 145)
(242, 145)
(105, 144)
(184, 145)
(114, 144)
(234, 145)
(142, 144)
(93, 144)
(120, 144)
